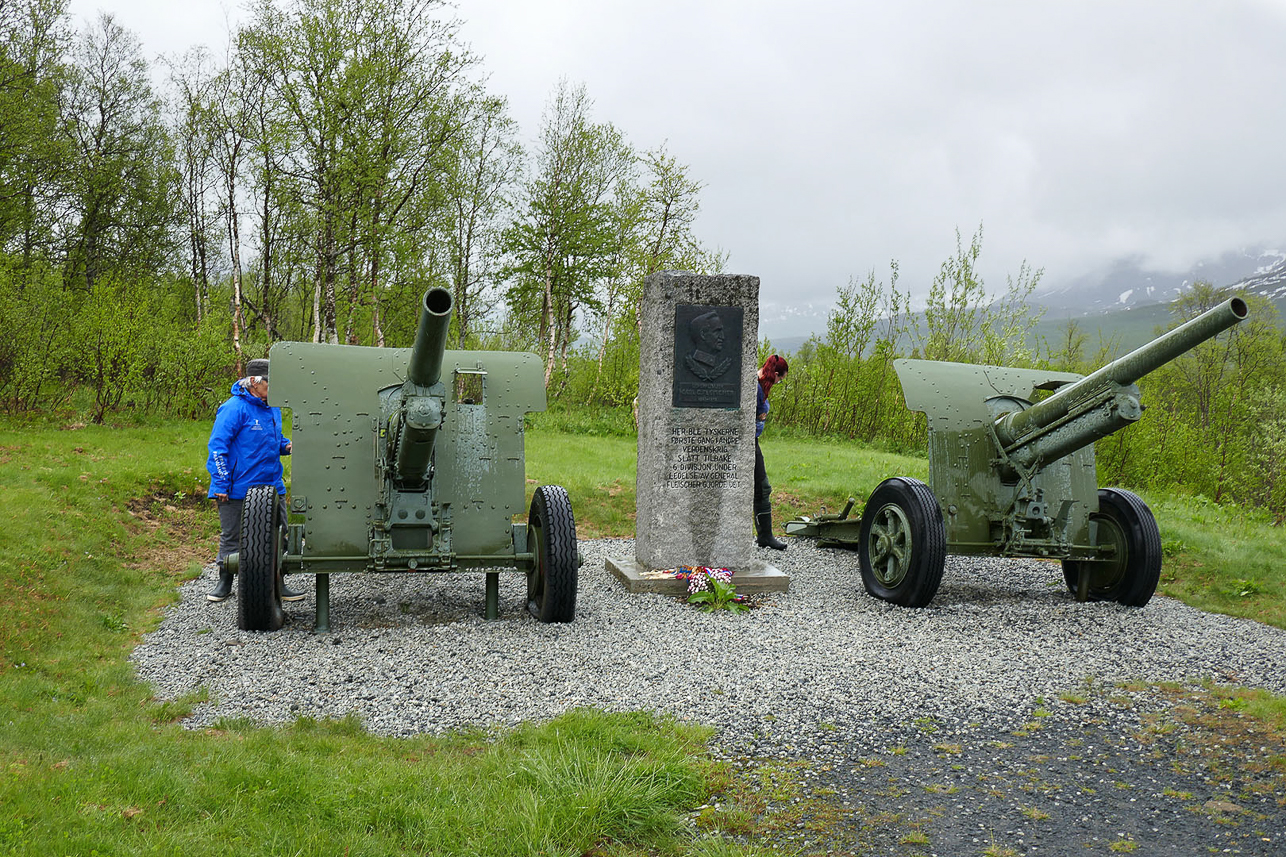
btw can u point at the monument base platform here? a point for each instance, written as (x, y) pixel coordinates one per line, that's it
(760, 577)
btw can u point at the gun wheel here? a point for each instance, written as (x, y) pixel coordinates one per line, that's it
(551, 536)
(1130, 575)
(903, 546)
(259, 580)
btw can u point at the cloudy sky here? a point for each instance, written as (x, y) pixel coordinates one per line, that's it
(834, 137)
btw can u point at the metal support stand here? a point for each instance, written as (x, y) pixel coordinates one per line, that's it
(493, 594)
(323, 603)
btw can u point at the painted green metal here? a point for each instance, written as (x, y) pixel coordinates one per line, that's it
(833, 530)
(323, 604)
(891, 546)
(1015, 476)
(493, 594)
(406, 460)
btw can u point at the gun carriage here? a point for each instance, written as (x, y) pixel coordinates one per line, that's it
(1012, 476)
(404, 461)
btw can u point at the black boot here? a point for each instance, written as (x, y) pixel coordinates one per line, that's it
(763, 527)
(288, 594)
(223, 588)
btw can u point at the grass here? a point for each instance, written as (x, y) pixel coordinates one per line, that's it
(99, 525)
(1223, 559)
(598, 473)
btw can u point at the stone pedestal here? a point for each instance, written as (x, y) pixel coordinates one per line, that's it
(696, 412)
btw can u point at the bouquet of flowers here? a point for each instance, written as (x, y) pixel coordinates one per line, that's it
(711, 587)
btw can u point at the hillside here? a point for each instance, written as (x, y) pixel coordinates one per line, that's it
(1123, 308)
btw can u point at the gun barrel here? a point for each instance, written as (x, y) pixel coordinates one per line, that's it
(421, 412)
(1012, 428)
(430, 338)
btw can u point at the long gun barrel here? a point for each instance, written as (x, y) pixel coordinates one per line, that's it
(1104, 401)
(421, 413)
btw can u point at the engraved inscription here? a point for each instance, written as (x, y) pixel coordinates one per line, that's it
(707, 356)
(703, 458)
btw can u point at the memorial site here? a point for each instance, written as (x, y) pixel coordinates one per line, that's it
(510, 429)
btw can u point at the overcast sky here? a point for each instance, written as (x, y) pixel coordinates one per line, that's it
(832, 137)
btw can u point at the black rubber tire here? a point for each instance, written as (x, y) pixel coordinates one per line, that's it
(903, 547)
(1132, 578)
(259, 583)
(551, 536)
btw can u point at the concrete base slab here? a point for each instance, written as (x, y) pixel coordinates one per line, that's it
(760, 577)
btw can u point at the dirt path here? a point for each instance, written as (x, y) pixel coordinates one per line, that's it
(1140, 770)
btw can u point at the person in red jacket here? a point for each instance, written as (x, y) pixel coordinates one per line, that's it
(773, 370)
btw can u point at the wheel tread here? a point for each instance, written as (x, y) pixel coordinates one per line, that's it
(258, 599)
(551, 509)
(929, 542)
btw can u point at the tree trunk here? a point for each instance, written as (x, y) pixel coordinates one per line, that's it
(548, 326)
(234, 247)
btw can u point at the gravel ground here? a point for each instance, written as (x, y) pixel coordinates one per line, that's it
(1004, 666)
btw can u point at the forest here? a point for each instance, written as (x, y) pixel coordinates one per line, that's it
(161, 223)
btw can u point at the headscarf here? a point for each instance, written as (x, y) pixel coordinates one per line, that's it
(768, 373)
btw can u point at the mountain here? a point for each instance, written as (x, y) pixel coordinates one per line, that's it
(1120, 307)
(1129, 284)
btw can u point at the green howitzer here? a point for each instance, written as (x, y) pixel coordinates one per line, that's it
(405, 461)
(1012, 476)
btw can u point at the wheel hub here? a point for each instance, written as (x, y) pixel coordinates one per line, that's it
(890, 545)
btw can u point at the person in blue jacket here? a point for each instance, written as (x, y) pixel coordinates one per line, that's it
(246, 445)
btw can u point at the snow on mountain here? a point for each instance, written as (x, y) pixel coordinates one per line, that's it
(1129, 283)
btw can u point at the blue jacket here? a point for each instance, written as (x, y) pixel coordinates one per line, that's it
(761, 407)
(246, 445)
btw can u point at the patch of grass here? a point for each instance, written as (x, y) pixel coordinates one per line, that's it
(1259, 704)
(1232, 560)
(926, 724)
(598, 473)
(98, 527)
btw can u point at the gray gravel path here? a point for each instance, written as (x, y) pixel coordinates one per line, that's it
(411, 654)
(824, 674)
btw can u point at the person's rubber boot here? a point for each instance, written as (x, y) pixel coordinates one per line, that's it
(763, 526)
(223, 588)
(288, 594)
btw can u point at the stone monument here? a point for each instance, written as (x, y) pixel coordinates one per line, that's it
(696, 437)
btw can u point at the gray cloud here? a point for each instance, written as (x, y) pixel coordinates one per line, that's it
(833, 138)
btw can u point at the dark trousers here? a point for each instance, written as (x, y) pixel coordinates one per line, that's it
(762, 488)
(230, 524)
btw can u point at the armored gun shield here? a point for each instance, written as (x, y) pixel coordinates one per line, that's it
(412, 460)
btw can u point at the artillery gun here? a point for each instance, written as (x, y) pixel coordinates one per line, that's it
(1011, 476)
(406, 460)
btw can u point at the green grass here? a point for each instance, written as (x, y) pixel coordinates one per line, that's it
(598, 473)
(97, 527)
(1223, 559)
(810, 476)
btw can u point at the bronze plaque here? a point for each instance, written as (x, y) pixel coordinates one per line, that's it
(707, 356)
